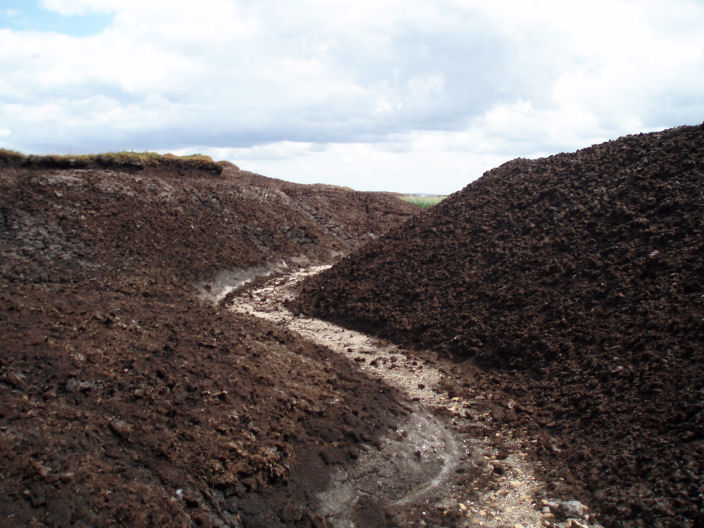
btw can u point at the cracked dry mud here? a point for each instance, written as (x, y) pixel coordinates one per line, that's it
(440, 466)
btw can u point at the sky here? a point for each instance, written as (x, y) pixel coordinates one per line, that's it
(408, 96)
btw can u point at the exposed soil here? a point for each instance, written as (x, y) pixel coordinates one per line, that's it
(126, 399)
(170, 227)
(555, 307)
(572, 288)
(119, 411)
(444, 463)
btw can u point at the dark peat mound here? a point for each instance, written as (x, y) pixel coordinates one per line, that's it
(125, 399)
(575, 283)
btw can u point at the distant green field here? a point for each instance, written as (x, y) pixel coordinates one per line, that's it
(424, 201)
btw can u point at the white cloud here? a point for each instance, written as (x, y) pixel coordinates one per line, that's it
(80, 7)
(380, 92)
(366, 166)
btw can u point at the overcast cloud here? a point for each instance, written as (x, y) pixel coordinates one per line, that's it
(402, 95)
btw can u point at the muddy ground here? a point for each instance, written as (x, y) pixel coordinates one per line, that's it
(128, 396)
(575, 285)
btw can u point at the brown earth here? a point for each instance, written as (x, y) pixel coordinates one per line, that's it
(446, 462)
(126, 398)
(571, 288)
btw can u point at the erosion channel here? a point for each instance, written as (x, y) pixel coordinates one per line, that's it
(442, 465)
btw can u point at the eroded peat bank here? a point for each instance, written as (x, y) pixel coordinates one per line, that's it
(442, 464)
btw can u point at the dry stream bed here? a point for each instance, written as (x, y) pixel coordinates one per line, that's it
(441, 465)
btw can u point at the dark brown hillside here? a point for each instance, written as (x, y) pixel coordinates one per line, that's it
(125, 400)
(349, 215)
(157, 221)
(576, 283)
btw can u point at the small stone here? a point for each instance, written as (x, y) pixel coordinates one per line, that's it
(576, 524)
(463, 507)
(566, 509)
(120, 428)
(15, 378)
(73, 385)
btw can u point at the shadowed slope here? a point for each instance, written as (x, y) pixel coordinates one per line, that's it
(124, 399)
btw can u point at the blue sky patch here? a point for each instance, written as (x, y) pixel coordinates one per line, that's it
(23, 15)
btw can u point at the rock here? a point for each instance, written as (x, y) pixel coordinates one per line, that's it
(73, 385)
(567, 509)
(120, 428)
(15, 378)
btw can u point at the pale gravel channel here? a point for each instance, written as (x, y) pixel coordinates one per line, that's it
(416, 468)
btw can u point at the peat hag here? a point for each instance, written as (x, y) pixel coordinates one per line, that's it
(574, 287)
(125, 399)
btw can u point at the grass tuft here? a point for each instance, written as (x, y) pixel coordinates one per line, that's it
(126, 160)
